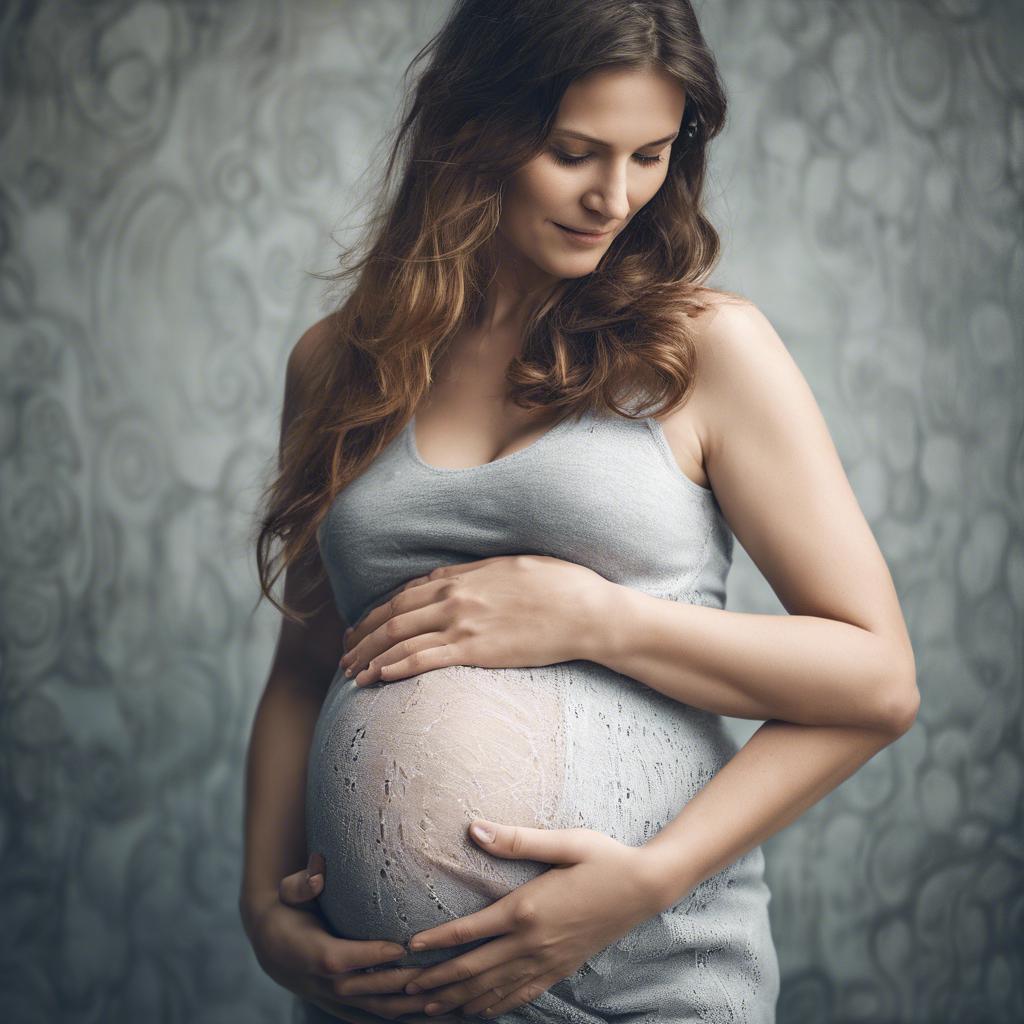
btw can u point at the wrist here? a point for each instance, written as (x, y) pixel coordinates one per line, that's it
(664, 874)
(607, 616)
(253, 903)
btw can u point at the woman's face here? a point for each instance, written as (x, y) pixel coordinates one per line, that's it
(631, 118)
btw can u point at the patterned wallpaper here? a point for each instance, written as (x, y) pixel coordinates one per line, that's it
(170, 169)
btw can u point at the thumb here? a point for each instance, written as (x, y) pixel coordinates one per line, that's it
(304, 885)
(513, 842)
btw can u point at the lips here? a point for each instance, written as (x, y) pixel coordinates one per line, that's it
(584, 231)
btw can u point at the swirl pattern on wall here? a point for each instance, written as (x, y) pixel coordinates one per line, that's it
(170, 169)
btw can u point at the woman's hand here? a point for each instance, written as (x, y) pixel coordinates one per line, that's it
(295, 949)
(597, 890)
(510, 611)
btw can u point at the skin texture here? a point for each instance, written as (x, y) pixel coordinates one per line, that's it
(834, 679)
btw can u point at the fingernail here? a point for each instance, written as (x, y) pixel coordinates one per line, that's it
(483, 832)
(315, 880)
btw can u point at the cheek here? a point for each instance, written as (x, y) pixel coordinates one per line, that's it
(657, 187)
(542, 190)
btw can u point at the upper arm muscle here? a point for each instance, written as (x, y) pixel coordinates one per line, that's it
(780, 483)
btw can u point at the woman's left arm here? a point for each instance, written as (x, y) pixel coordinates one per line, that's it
(842, 655)
(781, 771)
(803, 669)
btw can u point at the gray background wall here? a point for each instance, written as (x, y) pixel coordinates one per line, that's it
(169, 169)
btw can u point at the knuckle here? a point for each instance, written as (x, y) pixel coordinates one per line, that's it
(392, 628)
(464, 972)
(517, 844)
(329, 962)
(525, 912)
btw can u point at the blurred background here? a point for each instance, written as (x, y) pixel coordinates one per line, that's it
(169, 171)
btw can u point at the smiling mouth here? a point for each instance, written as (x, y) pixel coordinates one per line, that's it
(585, 234)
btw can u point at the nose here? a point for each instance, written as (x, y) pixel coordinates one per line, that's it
(610, 195)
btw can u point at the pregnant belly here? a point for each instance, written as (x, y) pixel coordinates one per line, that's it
(397, 773)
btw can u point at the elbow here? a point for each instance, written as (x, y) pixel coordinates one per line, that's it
(901, 700)
(901, 708)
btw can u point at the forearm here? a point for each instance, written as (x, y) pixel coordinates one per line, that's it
(781, 771)
(275, 788)
(797, 668)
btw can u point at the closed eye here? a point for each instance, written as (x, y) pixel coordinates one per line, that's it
(574, 161)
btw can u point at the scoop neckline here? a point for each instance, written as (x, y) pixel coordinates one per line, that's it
(413, 449)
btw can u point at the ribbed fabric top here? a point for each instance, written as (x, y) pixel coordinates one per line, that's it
(600, 490)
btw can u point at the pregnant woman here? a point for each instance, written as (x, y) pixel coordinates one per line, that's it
(513, 462)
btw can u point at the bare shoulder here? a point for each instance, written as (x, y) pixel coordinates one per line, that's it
(738, 350)
(687, 428)
(749, 389)
(301, 373)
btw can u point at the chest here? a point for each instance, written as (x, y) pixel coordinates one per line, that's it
(453, 431)
(600, 491)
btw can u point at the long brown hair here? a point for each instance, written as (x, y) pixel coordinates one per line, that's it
(482, 108)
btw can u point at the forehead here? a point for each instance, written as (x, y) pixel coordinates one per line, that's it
(623, 106)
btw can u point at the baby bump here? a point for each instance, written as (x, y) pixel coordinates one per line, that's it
(397, 773)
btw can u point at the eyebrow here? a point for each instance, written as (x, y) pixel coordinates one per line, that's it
(598, 142)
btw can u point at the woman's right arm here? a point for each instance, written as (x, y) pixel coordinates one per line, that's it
(303, 665)
(290, 941)
(275, 784)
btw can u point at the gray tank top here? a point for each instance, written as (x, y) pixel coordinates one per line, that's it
(601, 491)
(397, 772)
